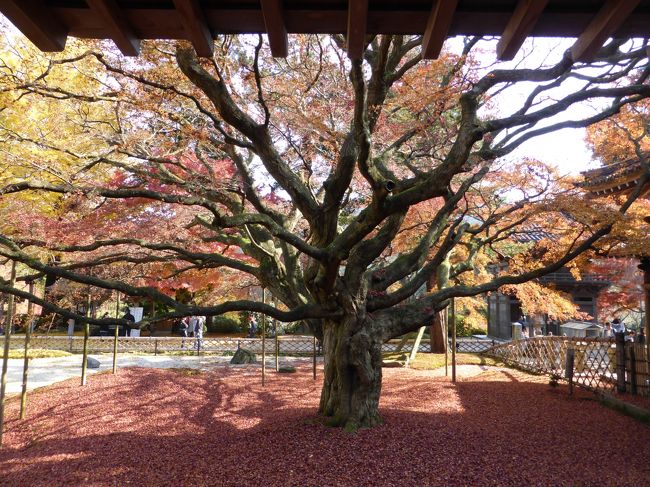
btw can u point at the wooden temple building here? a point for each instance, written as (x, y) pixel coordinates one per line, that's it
(48, 23)
(624, 178)
(504, 310)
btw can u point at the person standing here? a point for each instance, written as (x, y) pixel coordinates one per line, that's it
(192, 325)
(607, 331)
(70, 327)
(182, 329)
(199, 324)
(617, 326)
(128, 319)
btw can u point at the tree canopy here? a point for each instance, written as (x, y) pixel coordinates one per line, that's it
(343, 187)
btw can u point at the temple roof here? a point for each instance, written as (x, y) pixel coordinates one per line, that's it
(619, 177)
(48, 23)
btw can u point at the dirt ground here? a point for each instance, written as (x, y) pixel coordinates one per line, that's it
(220, 427)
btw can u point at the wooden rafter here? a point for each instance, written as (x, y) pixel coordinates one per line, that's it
(275, 27)
(357, 21)
(604, 24)
(519, 26)
(442, 13)
(37, 22)
(195, 26)
(118, 27)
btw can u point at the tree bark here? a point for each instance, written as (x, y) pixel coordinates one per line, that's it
(352, 384)
(438, 340)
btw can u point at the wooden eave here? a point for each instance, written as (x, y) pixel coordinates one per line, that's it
(47, 23)
(618, 178)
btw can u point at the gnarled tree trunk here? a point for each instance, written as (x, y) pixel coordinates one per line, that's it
(437, 332)
(352, 385)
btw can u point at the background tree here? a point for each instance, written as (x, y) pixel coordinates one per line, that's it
(299, 174)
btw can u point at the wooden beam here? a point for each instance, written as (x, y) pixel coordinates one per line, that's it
(519, 26)
(195, 26)
(118, 27)
(604, 24)
(275, 27)
(357, 21)
(36, 22)
(442, 13)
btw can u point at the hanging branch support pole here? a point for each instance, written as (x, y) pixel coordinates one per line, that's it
(117, 329)
(84, 364)
(453, 340)
(23, 395)
(314, 358)
(263, 340)
(5, 359)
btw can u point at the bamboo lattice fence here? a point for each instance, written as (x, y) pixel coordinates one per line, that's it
(595, 361)
(288, 344)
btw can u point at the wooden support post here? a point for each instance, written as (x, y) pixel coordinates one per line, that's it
(84, 364)
(453, 340)
(645, 267)
(277, 350)
(416, 345)
(155, 347)
(445, 326)
(263, 340)
(633, 375)
(117, 331)
(568, 368)
(314, 367)
(620, 362)
(5, 359)
(23, 395)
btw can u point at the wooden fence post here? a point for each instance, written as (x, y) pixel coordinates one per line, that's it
(620, 362)
(633, 375)
(568, 369)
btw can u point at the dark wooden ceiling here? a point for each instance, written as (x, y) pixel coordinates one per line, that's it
(47, 23)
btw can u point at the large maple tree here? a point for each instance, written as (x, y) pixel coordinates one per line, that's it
(343, 187)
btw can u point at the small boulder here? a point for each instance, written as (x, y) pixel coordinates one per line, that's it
(286, 369)
(243, 356)
(92, 363)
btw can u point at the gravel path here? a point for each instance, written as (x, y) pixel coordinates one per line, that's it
(155, 427)
(47, 371)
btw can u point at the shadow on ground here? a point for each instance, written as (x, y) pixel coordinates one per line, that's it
(167, 427)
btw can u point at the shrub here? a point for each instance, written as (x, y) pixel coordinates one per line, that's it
(224, 324)
(464, 329)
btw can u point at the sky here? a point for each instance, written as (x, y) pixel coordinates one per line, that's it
(566, 148)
